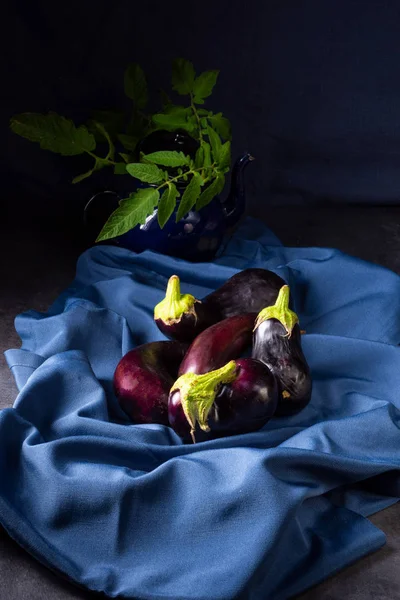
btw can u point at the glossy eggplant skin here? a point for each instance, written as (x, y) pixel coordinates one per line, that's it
(144, 377)
(283, 354)
(241, 406)
(190, 324)
(249, 290)
(219, 344)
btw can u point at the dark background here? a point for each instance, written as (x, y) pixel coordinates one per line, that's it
(312, 89)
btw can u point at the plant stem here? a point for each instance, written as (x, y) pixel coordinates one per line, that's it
(191, 172)
(91, 154)
(196, 114)
(111, 148)
(106, 159)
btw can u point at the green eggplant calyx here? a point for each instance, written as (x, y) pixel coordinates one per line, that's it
(175, 305)
(280, 311)
(198, 392)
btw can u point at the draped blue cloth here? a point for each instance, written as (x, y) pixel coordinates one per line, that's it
(129, 510)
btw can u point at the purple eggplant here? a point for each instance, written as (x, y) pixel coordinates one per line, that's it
(180, 316)
(277, 343)
(183, 317)
(143, 379)
(240, 397)
(219, 344)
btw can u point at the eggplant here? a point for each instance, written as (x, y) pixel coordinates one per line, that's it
(240, 397)
(277, 343)
(219, 344)
(249, 290)
(183, 317)
(180, 316)
(144, 377)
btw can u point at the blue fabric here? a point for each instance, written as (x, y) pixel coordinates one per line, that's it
(131, 511)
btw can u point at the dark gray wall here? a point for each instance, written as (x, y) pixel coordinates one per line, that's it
(312, 88)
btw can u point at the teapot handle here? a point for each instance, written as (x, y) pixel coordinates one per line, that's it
(235, 204)
(96, 212)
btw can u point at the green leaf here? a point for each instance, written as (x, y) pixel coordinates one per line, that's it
(225, 156)
(99, 164)
(167, 158)
(204, 85)
(167, 204)
(183, 75)
(128, 141)
(120, 169)
(131, 212)
(193, 128)
(199, 158)
(80, 178)
(125, 157)
(216, 145)
(92, 128)
(165, 99)
(177, 119)
(111, 148)
(54, 133)
(135, 85)
(145, 173)
(138, 126)
(221, 125)
(177, 109)
(190, 196)
(207, 154)
(211, 191)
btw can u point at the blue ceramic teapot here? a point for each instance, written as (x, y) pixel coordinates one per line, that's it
(196, 237)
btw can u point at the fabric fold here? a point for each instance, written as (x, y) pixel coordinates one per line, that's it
(129, 509)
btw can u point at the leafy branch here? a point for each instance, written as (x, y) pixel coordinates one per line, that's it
(204, 175)
(175, 182)
(196, 194)
(60, 135)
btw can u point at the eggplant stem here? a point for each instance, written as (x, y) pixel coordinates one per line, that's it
(198, 392)
(175, 305)
(280, 311)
